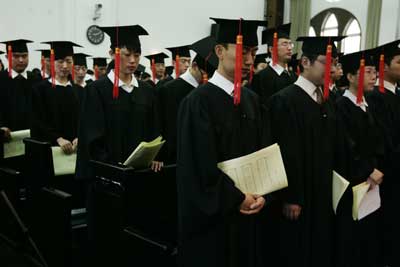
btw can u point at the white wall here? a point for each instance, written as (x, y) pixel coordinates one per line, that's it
(169, 22)
(390, 21)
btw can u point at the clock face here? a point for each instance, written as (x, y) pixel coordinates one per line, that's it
(95, 35)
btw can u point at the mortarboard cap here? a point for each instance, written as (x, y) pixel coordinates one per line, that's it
(228, 29)
(283, 31)
(100, 61)
(44, 52)
(169, 70)
(182, 51)
(351, 62)
(140, 69)
(125, 36)
(261, 58)
(158, 58)
(80, 59)
(62, 49)
(316, 45)
(205, 53)
(17, 46)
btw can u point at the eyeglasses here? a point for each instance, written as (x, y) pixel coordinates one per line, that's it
(287, 44)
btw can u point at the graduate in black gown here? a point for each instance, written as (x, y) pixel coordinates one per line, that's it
(56, 103)
(115, 119)
(16, 89)
(276, 75)
(365, 147)
(80, 70)
(215, 219)
(385, 105)
(172, 93)
(157, 63)
(180, 60)
(306, 128)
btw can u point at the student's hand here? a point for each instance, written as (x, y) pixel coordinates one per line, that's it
(377, 176)
(156, 166)
(75, 144)
(251, 204)
(66, 146)
(7, 134)
(291, 211)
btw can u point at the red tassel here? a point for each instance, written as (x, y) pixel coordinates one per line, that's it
(116, 73)
(381, 73)
(275, 49)
(204, 78)
(251, 73)
(177, 66)
(298, 70)
(73, 73)
(10, 56)
(153, 69)
(43, 63)
(360, 89)
(96, 72)
(238, 66)
(327, 78)
(52, 68)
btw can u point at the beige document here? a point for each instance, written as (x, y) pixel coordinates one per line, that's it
(63, 163)
(359, 191)
(260, 173)
(339, 186)
(370, 203)
(144, 153)
(16, 146)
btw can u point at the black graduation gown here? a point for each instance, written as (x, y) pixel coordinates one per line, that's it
(386, 109)
(169, 97)
(267, 82)
(307, 135)
(16, 101)
(110, 129)
(365, 149)
(55, 112)
(211, 129)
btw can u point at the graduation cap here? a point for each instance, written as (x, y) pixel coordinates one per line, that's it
(99, 62)
(282, 31)
(44, 52)
(228, 29)
(80, 59)
(123, 36)
(261, 58)
(154, 59)
(177, 52)
(382, 54)
(357, 62)
(206, 58)
(60, 50)
(140, 69)
(322, 45)
(1, 53)
(242, 33)
(15, 46)
(158, 58)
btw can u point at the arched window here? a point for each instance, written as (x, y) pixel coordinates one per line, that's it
(353, 40)
(331, 26)
(311, 31)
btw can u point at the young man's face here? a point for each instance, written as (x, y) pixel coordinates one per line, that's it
(394, 69)
(80, 72)
(369, 78)
(102, 71)
(315, 70)
(259, 67)
(20, 61)
(63, 67)
(160, 70)
(228, 59)
(129, 61)
(184, 63)
(285, 49)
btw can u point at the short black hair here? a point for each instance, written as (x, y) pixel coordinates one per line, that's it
(311, 57)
